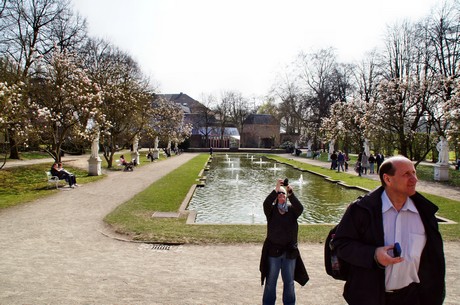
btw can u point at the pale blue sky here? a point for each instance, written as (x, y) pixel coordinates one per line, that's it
(208, 46)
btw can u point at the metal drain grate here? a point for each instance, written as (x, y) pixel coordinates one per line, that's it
(161, 247)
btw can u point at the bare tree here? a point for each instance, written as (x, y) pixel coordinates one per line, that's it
(69, 31)
(442, 40)
(223, 114)
(443, 28)
(205, 119)
(268, 107)
(238, 110)
(366, 76)
(34, 27)
(2, 14)
(287, 90)
(319, 74)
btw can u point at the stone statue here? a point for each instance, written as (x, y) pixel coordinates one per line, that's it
(309, 145)
(331, 146)
(331, 149)
(136, 143)
(94, 162)
(95, 147)
(443, 149)
(366, 147)
(155, 147)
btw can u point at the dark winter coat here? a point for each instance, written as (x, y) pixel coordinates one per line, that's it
(284, 240)
(360, 232)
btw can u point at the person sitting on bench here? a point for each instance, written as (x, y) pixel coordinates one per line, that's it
(127, 165)
(58, 171)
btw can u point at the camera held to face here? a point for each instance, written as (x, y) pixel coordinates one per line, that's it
(286, 182)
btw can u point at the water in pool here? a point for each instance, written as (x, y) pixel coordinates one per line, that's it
(237, 185)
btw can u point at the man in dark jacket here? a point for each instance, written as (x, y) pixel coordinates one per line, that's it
(371, 226)
(280, 252)
(333, 160)
(379, 159)
(62, 174)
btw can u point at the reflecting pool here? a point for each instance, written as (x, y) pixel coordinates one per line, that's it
(237, 185)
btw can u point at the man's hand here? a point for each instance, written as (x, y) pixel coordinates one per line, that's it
(382, 257)
(279, 183)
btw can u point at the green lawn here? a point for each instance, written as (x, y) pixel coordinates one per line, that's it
(26, 183)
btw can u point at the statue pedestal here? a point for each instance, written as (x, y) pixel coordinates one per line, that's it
(441, 172)
(309, 154)
(156, 154)
(135, 157)
(94, 166)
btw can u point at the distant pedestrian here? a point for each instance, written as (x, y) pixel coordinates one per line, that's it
(364, 163)
(316, 155)
(379, 159)
(341, 162)
(150, 156)
(358, 165)
(371, 164)
(333, 160)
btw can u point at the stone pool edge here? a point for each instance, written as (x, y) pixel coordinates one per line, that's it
(191, 214)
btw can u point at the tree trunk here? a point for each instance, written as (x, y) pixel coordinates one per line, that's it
(14, 153)
(403, 144)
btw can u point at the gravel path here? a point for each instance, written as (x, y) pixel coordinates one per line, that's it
(56, 250)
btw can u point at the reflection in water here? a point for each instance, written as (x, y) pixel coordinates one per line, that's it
(236, 188)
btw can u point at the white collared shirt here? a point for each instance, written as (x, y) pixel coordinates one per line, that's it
(405, 227)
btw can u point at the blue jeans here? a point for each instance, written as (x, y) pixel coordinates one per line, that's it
(287, 267)
(371, 168)
(341, 165)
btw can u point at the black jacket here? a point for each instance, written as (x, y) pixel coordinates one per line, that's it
(360, 232)
(272, 245)
(57, 173)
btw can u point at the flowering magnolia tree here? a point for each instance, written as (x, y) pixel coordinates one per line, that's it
(398, 114)
(346, 123)
(14, 117)
(121, 108)
(452, 110)
(168, 123)
(126, 95)
(66, 101)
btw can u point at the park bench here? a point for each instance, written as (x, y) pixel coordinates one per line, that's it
(127, 167)
(53, 179)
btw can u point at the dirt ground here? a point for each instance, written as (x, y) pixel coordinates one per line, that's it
(57, 250)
